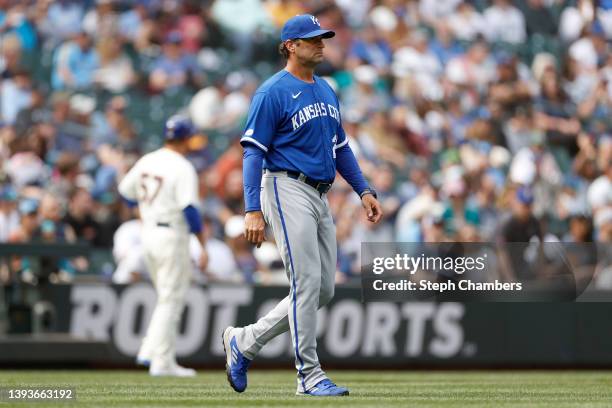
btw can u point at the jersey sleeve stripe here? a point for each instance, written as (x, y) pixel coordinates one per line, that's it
(342, 144)
(255, 142)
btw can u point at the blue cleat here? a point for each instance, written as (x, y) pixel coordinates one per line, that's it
(326, 388)
(236, 365)
(143, 362)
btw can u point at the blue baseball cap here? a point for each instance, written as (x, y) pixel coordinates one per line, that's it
(178, 127)
(8, 193)
(174, 37)
(304, 26)
(28, 206)
(47, 226)
(524, 195)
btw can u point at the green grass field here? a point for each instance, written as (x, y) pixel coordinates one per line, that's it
(107, 388)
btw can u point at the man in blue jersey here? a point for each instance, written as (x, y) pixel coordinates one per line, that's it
(294, 137)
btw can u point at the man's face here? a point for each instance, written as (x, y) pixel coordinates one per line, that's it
(30, 221)
(308, 51)
(23, 82)
(478, 52)
(521, 211)
(82, 202)
(83, 41)
(501, 3)
(172, 50)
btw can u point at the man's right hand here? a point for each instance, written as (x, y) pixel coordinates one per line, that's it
(254, 227)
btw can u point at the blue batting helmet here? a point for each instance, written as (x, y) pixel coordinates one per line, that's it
(178, 127)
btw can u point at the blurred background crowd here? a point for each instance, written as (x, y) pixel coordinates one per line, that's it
(474, 120)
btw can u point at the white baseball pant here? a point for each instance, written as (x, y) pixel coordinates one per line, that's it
(166, 253)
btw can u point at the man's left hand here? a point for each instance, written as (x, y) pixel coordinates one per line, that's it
(372, 207)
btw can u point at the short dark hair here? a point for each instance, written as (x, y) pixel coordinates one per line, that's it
(282, 50)
(176, 142)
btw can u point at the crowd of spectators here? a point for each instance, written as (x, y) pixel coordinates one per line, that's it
(474, 120)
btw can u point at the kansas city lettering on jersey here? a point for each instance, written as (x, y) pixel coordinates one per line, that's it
(314, 111)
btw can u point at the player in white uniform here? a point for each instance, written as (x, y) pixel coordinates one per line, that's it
(165, 186)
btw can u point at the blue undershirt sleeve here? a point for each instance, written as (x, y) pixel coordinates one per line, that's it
(192, 215)
(347, 166)
(130, 203)
(252, 160)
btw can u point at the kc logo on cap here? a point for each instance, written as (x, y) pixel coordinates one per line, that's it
(304, 26)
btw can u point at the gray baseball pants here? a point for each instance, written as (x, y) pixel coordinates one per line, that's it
(305, 234)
